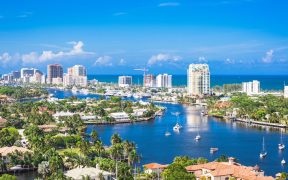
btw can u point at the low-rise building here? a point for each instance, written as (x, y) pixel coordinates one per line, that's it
(120, 116)
(286, 92)
(154, 168)
(227, 170)
(92, 173)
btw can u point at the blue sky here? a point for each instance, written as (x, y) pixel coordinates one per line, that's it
(117, 36)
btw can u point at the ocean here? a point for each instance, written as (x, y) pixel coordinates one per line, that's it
(268, 82)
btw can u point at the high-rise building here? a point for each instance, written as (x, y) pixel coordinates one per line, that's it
(198, 79)
(124, 81)
(76, 76)
(16, 74)
(77, 70)
(252, 87)
(164, 81)
(27, 72)
(285, 91)
(54, 71)
(149, 80)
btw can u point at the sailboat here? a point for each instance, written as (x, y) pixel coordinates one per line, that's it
(198, 137)
(167, 133)
(283, 162)
(263, 154)
(281, 146)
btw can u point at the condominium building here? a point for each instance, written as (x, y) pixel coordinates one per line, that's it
(124, 81)
(149, 80)
(27, 72)
(198, 79)
(252, 87)
(16, 74)
(76, 76)
(54, 71)
(77, 70)
(286, 92)
(164, 81)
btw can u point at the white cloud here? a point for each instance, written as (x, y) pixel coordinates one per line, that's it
(229, 61)
(168, 4)
(268, 57)
(159, 58)
(202, 59)
(25, 15)
(103, 61)
(119, 13)
(5, 58)
(122, 62)
(34, 57)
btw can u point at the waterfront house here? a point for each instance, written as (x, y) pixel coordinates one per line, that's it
(4, 151)
(154, 168)
(92, 173)
(227, 170)
(120, 116)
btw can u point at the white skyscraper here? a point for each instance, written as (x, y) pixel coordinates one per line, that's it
(124, 81)
(286, 92)
(252, 87)
(164, 80)
(198, 79)
(76, 76)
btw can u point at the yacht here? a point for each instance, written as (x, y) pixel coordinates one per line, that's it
(198, 137)
(177, 127)
(213, 150)
(283, 162)
(84, 91)
(74, 90)
(263, 154)
(167, 133)
(281, 146)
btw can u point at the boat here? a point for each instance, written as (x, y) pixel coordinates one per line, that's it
(281, 146)
(74, 90)
(283, 161)
(198, 137)
(84, 91)
(213, 150)
(263, 154)
(177, 127)
(167, 133)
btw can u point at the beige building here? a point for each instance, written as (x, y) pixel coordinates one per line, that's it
(76, 76)
(198, 79)
(54, 71)
(227, 170)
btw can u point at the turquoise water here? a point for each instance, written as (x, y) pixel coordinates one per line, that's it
(270, 82)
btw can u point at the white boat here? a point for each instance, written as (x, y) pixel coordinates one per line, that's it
(167, 133)
(74, 90)
(84, 91)
(198, 137)
(281, 146)
(263, 154)
(213, 150)
(177, 127)
(283, 161)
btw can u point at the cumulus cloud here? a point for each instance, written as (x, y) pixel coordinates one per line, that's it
(34, 57)
(103, 61)
(160, 58)
(122, 62)
(229, 61)
(165, 4)
(5, 58)
(202, 59)
(268, 57)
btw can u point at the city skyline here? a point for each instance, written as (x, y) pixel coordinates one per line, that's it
(164, 36)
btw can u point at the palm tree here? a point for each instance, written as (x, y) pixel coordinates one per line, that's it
(94, 136)
(133, 157)
(99, 148)
(115, 139)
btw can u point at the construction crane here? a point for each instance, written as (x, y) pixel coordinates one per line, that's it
(144, 73)
(142, 69)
